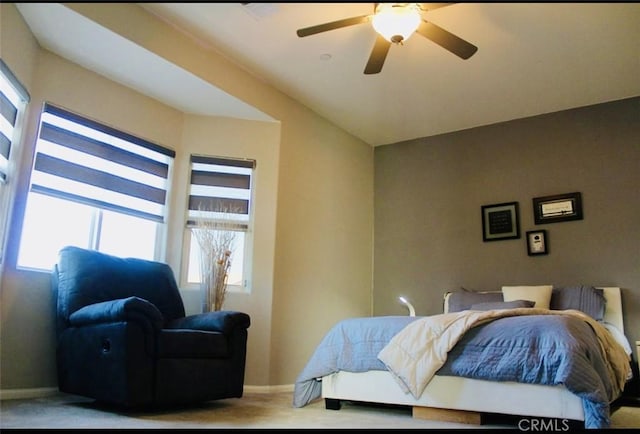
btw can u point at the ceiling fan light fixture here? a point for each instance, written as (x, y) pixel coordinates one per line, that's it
(396, 22)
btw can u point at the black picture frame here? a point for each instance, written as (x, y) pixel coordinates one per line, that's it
(500, 221)
(537, 243)
(557, 208)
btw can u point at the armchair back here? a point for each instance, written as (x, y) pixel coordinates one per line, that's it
(83, 277)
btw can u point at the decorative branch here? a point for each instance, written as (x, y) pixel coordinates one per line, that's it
(216, 250)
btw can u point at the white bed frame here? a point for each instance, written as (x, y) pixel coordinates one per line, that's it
(463, 400)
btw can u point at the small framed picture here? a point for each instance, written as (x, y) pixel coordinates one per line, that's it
(537, 243)
(500, 221)
(557, 208)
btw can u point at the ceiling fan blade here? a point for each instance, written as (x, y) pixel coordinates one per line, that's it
(307, 31)
(446, 40)
(378, 55)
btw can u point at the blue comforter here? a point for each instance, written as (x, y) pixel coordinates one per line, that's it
(351, 345)
(540, 349)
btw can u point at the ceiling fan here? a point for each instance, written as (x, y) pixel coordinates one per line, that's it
(395, 23)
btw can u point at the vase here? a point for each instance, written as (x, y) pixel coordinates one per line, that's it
(213, 285)
(207, 281)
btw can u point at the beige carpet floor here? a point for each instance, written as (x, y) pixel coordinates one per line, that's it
(252, 411)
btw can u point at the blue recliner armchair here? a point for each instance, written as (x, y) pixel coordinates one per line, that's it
(123, 337)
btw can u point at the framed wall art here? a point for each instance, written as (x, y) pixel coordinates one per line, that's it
(500, 221)
(537, 243)
(557, 208)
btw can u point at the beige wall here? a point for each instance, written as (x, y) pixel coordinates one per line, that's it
(240, 139)
(429, 192)
(313, 210)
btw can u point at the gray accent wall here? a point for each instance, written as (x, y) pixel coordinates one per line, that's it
(429, 193)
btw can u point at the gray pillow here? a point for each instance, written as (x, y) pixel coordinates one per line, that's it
(587, 299)
(462, 300)
(503, 305)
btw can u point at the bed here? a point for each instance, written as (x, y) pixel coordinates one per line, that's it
(348, 363)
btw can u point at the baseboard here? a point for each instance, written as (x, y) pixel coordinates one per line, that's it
(268, 389)
(39, 392)
(43, 392)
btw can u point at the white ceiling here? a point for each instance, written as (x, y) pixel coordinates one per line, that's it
(532, 58)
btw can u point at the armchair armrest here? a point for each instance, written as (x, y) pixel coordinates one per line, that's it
(125, 309)
(224, 321)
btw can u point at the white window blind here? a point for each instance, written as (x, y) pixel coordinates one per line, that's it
(13, 97)
(84, 161)
(220, 190)
(220, 195)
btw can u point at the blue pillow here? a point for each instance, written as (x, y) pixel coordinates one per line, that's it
(463, 300)
(502, 305)
(587, 299)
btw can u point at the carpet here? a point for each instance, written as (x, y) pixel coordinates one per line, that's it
(252, 411)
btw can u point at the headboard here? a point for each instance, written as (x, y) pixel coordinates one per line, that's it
(613, 310)
(612, 313)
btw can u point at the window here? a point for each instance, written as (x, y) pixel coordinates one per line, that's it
(13, 100)
(218, 183)
(95, 187)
